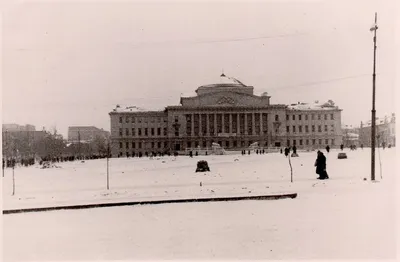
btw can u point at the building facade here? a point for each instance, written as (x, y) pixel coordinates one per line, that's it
(385, 131)
(227, 113)
(85, 133)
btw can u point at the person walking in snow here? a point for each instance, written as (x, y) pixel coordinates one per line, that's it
(287, 151)
(320, 164)
(327, 148)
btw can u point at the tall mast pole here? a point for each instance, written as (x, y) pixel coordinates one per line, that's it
(373, 111)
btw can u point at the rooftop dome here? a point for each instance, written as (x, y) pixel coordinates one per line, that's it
(224, 80)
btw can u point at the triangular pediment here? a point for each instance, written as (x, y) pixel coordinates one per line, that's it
(225, 98)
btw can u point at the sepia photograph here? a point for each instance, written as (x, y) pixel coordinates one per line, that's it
(199, 130)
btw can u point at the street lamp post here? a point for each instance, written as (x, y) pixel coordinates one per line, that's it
(373, 112)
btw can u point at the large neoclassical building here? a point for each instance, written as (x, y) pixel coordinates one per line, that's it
(227, 113)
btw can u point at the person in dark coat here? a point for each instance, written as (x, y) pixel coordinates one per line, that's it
(320, 164)
(287, 151)
(327, 148)
(294, 150)
(341, 147)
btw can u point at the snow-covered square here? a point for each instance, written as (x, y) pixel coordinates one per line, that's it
(339, 218)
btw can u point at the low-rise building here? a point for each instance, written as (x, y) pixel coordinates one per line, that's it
(385, 131)
(85, 134)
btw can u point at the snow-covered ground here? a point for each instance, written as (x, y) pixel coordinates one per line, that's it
(342, 218)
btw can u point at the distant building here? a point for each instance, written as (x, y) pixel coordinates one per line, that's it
(19, 140)
(351, 135)
(85, 133)
(227, 113)
(385, 131)
(16, 127)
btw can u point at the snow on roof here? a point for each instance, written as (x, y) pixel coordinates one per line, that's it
(352, 135)
(315, 106)
(127, 109)
(379, 121)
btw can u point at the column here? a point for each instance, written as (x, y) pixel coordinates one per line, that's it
(253, 122)
(192, 116)
(238, 123)
(245, 124)
(261, 125)
(200, 126)
(223, 123)
(215, 124)
(207, 124)
(230, 123)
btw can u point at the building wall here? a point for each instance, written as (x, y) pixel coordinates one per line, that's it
(234, 119)
(270, 129)
(300, 124)
(128, 132)
(85, 133)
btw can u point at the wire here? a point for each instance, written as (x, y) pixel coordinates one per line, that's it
(321, 82)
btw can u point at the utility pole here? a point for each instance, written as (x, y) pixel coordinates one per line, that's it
(373, 111)
(79, 144)
(108, 156)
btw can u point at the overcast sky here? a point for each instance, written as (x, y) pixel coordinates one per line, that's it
(69, 64)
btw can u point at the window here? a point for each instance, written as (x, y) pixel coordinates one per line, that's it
(152, 131)
(120, 145)
(159, 144)
(287, 117)
(332, 128)
(299, 117)
(319, 117)
(159, 131)
(294, 142)
(312, 128)
(140, 120)
(127, 119)
(287, 129)
(301, 142)
(326, 141)
(325, 117)
(165, 144)
(319, 128)
(145, 132)
(306, 129)
(306, 117)
(133, 132)
(152, 144)
(332, 117)
(294, 117)
(176, 119)
(127, 145)
(320, 141)
(133, 119)
(140, 145)
(120, 132)
(276, 117)
(127, 132)
(165, 131)
(326, 128)
(139, 131)
(120, 119)
(307, 142)
(313, 141)
(312, 116)
(333, 142)
(300, 129)
(176, 133)
(294, 129)
(133, 145)
(288, 142)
